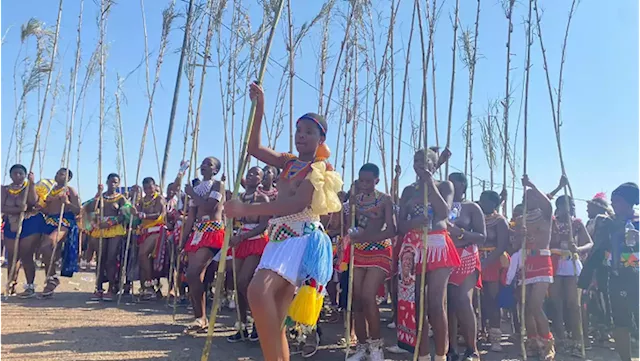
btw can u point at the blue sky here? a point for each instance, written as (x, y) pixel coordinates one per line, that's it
(599, 103)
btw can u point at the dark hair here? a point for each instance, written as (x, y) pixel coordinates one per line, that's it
(148, 180)
(276, 171)
(431, 155)
(68, 171)
(113, 175)
(370, 167)
(562, 201)
(18, 166)
(319, 120)
(217, 165)
(491, 195)
(460, 178)
(195, 181)
(627, 191)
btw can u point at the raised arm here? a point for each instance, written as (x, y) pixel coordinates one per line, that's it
(563, 182)
(266, 155)
(541, 200)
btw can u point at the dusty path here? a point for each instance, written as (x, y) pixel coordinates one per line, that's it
(70, 327)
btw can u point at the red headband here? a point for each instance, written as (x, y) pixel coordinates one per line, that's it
(322, 129)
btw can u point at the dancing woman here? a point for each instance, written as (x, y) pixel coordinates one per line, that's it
(111, 229)
(467, 228)
(566, 254)
(204, 241)
(494, 260)
(68, 234)
(13, 203)
(249, 244)
(441, 257)
(151, 210)
(371, 236)
(299, 252)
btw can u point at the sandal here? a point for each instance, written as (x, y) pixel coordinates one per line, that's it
(196, 327)
(52, 283)
(29, 291)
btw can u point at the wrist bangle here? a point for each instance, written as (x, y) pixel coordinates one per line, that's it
(461, 236)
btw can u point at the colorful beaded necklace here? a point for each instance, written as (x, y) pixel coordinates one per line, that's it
(15, 191)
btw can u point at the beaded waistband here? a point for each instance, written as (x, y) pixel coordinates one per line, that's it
(208, 226)
(295, 225)
(373, 246)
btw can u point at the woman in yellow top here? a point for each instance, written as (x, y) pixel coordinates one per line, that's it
(299, 252)
(151, 210)
(111, 229)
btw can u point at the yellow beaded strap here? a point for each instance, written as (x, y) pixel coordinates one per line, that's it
(146, 204)
(16, 191)
(56, 192)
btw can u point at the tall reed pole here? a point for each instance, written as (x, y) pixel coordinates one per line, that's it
(291, 73)
(66, 153)
(176, 93)
(453, 78)
(104, 9)
(394, 186)
(523, 258)
(354, 130)
(506, 103)
(342, 45)
(236, 188)
(471, 57)
(557, 125)
(425, 229)
(147, 77)
(13, 272)
(405, 84)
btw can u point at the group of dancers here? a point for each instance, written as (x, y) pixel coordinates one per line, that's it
(291, 244)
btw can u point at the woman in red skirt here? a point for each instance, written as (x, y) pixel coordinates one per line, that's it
(249, 244)
(441, 257)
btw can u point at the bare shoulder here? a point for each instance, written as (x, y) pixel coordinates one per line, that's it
(445, 186)
(72, 191)
(262, 198)
(408, 192)
(217, 185)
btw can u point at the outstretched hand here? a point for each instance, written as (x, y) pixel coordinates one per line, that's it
(564, 181)
(31, 178)
(256, 93)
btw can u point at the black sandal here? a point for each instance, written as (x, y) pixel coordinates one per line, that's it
(52, 283)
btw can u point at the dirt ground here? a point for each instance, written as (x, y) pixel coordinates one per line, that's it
(71, 327)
